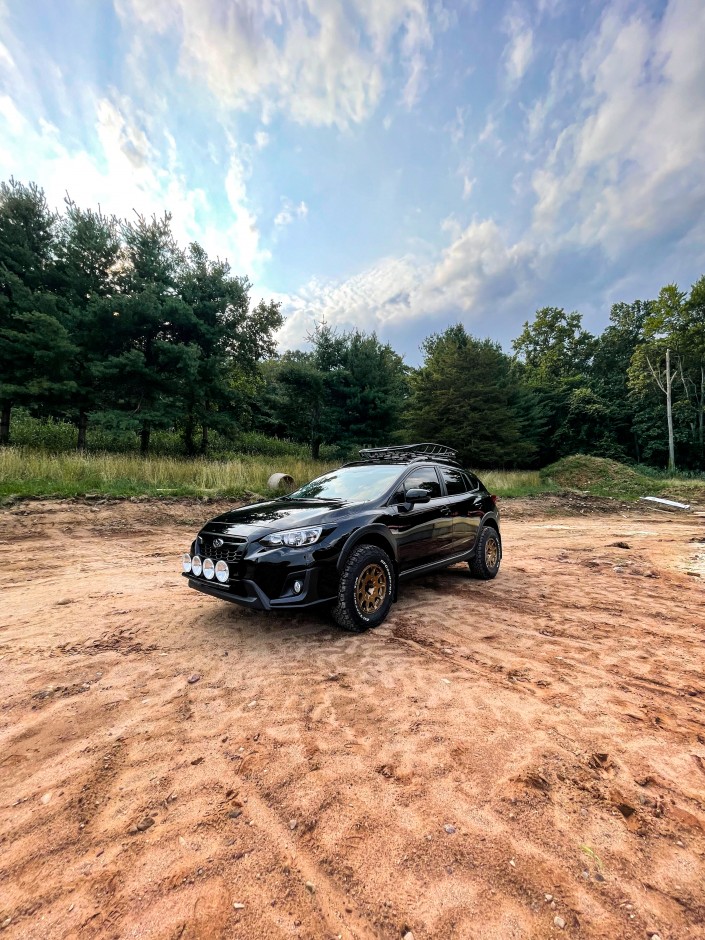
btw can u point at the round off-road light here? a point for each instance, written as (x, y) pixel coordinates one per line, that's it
(222, 572)
(208, 568)
(186, 563)
(196, 565)
(298, 585)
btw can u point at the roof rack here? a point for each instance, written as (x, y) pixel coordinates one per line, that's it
(407, 453)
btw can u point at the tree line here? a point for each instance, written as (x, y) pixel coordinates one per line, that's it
(110, 323)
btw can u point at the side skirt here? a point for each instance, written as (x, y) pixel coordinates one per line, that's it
(436, 565)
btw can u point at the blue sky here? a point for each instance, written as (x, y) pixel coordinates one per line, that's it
(395, 165)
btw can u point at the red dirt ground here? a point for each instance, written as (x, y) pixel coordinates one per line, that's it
(497, 760)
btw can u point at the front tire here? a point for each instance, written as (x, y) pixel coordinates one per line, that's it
(365, 590)
(488, 555)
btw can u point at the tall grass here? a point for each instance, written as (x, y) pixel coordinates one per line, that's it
(25, 471)
(29, 472)
(514, 482)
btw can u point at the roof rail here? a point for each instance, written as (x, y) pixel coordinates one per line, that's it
(406, 453)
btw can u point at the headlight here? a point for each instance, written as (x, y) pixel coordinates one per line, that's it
(186, 563)
(294, 538)
(208, 568)
(196, 565)
(222, 572)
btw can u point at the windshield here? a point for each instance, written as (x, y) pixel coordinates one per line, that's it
(352, 484)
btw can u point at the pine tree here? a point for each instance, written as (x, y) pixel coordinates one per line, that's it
(35, 346)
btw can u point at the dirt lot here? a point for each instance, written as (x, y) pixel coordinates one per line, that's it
(522, 758)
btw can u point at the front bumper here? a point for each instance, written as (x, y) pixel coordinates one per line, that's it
(248, 593)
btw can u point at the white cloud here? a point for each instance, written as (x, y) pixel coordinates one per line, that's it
(125, 171)
(489, 136)
(468, 186)
(456, 127)
(475, 270)
(289, 212)
(261, 139)
(306, 60)
(622, 175)
(630, 166)
(519, 51)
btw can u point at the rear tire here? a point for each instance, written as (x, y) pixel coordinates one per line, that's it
(365, 590)
(488, 555)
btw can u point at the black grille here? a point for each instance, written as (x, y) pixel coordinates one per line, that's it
(231, 550)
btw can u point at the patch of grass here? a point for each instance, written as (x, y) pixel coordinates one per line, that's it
(30, 472)
(25, 472)
(602, 477)
(513, 483)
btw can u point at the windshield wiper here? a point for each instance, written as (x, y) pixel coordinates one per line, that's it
(314, 499)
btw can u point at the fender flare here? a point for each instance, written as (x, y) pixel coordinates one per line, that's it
(380, 532)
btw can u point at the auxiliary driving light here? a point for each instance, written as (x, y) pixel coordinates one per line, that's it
(222, 572)
(298, 585)
(208, 568)
(196, 565)
(186, 563)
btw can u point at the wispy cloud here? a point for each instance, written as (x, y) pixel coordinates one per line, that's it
(519, 51)
(289, 212)
(305, 61)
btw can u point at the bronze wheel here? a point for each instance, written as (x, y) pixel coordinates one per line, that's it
(371, 588)
(365, 589)
(491, 553)
(488, 554)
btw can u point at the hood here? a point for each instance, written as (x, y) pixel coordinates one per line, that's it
(275, 514)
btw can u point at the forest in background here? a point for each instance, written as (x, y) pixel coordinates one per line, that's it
(114, 337)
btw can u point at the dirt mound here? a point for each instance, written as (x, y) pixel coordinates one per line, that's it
(597, 475)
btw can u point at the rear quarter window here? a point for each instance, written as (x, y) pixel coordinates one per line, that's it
(473, 481)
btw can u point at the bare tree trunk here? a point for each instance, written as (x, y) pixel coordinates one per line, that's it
(204, 438)
(701, 416)
(82, 428)
(144, 438)
(189, 445)
(5, 413)
(669, 413)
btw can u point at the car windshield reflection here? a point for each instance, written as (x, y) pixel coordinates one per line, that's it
(349, 484)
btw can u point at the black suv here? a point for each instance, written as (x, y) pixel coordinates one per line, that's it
(348, 537)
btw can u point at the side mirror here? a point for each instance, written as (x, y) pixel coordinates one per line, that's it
(417, 496)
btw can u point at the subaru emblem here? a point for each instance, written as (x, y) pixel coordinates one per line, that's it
(217, 543)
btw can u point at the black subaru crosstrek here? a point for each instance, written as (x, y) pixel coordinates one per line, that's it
(348, 537)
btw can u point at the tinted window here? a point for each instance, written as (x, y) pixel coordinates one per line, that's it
(425, 478)
(455, 481)
(474, 482)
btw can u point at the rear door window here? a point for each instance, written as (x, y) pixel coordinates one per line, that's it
(455, 480)
(425, 478)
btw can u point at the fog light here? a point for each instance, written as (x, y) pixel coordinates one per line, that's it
(208, 568)
(186, 563)
(196, 565)
(298, 586)
(222, 572)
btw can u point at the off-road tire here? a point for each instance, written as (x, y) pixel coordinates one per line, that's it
(488, 555)
(347, 613)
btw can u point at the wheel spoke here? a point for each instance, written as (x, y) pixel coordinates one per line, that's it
(371, 588)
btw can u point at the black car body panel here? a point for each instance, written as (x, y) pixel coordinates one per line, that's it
(419, 537)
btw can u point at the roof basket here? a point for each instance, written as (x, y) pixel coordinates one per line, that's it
(405, 453)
